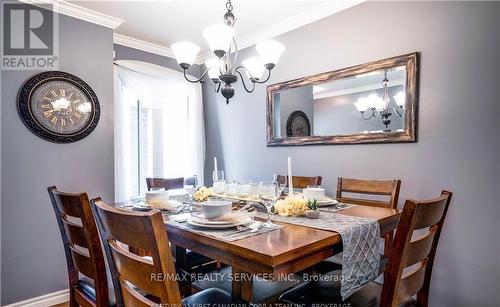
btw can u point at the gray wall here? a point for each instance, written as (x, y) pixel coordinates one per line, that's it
(33, 261)
(458, 147)
(338, 115)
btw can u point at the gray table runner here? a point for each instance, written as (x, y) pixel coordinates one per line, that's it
(360, 239)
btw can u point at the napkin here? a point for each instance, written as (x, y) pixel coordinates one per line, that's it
(163, 203)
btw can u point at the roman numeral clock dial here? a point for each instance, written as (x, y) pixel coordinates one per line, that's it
(58, 107)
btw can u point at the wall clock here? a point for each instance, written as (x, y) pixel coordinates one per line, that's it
(58, 107)
(298, 124)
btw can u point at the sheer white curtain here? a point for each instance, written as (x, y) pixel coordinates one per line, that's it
(159, 129)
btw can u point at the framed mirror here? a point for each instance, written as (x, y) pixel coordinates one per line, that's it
(374, 102)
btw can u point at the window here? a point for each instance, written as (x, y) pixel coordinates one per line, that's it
(158, 131)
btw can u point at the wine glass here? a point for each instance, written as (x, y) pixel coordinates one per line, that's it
(269, 193)
(190, 186)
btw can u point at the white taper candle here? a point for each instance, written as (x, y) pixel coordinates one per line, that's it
(215, 164)
(290, 177)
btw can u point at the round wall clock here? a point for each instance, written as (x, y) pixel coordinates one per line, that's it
(58, 107)
(298, 124)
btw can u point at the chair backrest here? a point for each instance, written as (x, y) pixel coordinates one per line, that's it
(411, 259)
(388, 188)
(81, 241)
(300, 182)
(168, 183)
(153, 276)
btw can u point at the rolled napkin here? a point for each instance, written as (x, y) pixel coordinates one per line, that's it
(314, 193)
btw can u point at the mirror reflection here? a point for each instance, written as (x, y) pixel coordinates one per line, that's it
(372, 102)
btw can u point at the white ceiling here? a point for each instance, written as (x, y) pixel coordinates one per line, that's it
(165, 22)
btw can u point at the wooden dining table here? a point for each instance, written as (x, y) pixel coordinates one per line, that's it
(286, 250)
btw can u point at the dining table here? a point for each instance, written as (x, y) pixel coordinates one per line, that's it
(286, 250)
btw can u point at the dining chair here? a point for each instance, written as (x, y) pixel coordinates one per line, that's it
(409, 270)
(140, 281)
(88, 283)
(191, 261)
(300, 182)
(167, 183)
(388, 189)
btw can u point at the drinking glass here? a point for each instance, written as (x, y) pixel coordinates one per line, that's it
(218, 178)
(269, 193)
(190, 186)
(243, 189)
(230, 188)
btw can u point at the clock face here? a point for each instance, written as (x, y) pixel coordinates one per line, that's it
(58, 107)
(61, 107)
(298, 124)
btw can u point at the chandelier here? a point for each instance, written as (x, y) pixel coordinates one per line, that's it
(373, 106)
(222, 68)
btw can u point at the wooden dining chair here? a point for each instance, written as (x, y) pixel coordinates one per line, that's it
(374, 188)
(300, 182)
(140, 281)
(88, 282)
(191, 262)
(409, 270)
(167, 183)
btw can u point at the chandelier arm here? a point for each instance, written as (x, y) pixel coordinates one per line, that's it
(217, 86)
(197, 80)
(371, 116)
(235, 54)
(400, 114)
(267, 79)
(243, 82)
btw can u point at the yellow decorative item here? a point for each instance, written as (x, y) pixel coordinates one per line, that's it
(291, 206)
(202, 194)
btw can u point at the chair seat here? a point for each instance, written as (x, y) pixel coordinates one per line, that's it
(263, 291)
(327, 291)
(212, 297)
(87, 287)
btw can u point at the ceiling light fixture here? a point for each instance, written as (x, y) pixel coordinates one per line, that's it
(222, 68)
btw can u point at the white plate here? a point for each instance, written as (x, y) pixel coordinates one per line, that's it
(224, 226)
(327, 202)
(199, 218)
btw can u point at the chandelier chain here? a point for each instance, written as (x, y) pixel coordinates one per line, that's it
(229, 5)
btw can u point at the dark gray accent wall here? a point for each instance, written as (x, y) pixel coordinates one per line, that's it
(33, 261)
(458, 146)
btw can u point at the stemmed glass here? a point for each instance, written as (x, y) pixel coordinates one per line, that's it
(269, 193)
(190, 186)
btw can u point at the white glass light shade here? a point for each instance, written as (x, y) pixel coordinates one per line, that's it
(218, 36)
(270, 51)
(212, 65)
(85, 107)
(60, 104)
(361, 104)
(400, 99)
(254, 67)
(375, 101)
(185, 52)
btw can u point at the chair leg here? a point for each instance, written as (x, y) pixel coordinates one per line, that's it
(72, 299)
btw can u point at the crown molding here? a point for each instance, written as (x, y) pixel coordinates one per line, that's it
(142, 45)
(76, 11)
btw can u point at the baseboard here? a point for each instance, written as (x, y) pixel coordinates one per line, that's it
(46, 300)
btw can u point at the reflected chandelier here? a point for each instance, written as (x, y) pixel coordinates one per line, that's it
(222, 68)
(379, 107)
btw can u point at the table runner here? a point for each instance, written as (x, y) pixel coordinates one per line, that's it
(223, 234)
(360, 239)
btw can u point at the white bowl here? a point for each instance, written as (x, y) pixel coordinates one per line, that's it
(216, 208)
(157, 194)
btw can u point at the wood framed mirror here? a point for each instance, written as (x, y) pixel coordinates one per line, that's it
(374, 102)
